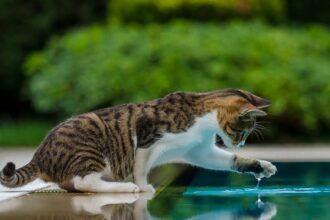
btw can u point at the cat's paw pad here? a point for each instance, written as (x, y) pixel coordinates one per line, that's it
(268, 169)
(147, 188)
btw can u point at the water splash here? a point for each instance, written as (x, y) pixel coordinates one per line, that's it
(259, 203)
(258, 183)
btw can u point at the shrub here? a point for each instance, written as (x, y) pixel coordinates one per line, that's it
(23, 132)
(100, 66)
(26, 26)
(219, 10)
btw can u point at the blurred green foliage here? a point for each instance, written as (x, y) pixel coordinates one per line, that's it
(105, 65)
(97, 66)
(24, 132)
(220, 10)
(25, 27)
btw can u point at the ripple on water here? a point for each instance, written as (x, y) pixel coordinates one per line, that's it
(221, 191)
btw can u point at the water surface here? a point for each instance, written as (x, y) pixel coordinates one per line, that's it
(298, 191)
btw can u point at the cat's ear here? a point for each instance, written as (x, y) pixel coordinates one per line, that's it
(254, 113)
(260, 102)
(250, 111)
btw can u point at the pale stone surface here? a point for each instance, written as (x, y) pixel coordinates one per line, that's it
(20, 157)
(7, 193)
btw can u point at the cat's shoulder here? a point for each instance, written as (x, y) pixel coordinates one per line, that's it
(179, 97)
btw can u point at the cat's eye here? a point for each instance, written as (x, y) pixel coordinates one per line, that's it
(246, 118)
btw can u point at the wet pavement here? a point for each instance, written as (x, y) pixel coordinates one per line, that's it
(75, 206)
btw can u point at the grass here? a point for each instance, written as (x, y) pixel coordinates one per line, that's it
(27, 133)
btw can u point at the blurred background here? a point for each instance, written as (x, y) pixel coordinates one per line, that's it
(61, 58)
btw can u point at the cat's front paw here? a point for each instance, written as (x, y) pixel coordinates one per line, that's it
(147, 188)
(268, 169)
(131, 187)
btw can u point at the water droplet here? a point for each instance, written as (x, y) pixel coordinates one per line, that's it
(259, 202)
(258, 183)
(259, 199)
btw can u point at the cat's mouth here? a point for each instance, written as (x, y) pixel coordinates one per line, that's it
(219, 142)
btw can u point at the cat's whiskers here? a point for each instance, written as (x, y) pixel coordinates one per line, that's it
(257, 130)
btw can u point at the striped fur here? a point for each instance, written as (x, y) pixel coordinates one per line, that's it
(109, 137)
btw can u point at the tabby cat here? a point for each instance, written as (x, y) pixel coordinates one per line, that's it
(99, 151)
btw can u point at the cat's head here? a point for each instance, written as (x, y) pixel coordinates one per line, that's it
(238, 115)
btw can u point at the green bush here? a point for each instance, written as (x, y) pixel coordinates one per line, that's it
(26, 132)
(100, 66)
(218, 10)
(25, 27)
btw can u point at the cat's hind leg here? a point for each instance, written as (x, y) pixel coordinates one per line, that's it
(95, 203)
(94, 183)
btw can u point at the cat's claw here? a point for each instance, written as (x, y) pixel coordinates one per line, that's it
(133, 188)
(147, 188)
(268, 169)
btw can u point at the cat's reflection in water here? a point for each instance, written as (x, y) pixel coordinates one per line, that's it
(262, 211)
(134, 206)
(126, 206)
(76, 206)
(114, 206)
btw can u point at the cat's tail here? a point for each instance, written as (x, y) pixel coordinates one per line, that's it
(11, 178)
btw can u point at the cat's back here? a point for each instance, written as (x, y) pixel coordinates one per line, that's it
(85, 127)
(171, 113)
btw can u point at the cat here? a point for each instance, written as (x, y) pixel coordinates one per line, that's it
(98, 151)
(130, 206)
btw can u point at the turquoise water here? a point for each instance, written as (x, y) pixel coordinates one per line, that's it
(298, 191)
(275, 191)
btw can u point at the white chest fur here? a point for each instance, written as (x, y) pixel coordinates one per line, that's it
(171, 147)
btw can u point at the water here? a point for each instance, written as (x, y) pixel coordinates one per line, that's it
(258, 182)
(298, 191)
(275, 191)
